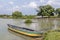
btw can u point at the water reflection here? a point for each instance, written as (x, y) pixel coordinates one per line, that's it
(48, 24)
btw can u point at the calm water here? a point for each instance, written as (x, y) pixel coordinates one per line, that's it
(38, 25)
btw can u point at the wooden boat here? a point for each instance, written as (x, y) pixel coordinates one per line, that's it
(24, 31)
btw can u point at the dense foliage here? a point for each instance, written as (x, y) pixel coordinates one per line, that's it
(46, 10)
(58, 11)
(16, 14)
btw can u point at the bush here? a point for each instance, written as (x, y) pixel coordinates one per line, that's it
(17, 14)
(28, 21)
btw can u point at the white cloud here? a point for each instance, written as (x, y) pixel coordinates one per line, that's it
(42, 1)
(15, 8)
(0, 6)
(31, 5)
(24, 6)
(53, 2)
(50, 2)
(11, 2)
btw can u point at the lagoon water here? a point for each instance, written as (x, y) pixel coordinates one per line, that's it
(40, 25)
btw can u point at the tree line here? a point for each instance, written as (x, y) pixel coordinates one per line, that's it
(48, 10)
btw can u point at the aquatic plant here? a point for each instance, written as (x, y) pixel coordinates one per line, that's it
(28, 21)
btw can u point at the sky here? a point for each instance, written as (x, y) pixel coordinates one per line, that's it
(27, 7)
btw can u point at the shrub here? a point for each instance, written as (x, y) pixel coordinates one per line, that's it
(28, 21)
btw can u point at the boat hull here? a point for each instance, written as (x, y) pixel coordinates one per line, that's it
(24, 33)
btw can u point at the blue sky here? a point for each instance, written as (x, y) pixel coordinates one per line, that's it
(25, 6)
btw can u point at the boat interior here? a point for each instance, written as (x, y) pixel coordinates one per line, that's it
(20, 27)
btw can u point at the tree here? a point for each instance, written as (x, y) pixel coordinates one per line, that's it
(46, 10)
(58, 11)
(17, 14)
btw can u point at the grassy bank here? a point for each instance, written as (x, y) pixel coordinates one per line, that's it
(53, 35)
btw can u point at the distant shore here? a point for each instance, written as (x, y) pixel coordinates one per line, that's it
(25, 17)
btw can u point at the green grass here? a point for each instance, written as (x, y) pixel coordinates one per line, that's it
(52, 36)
